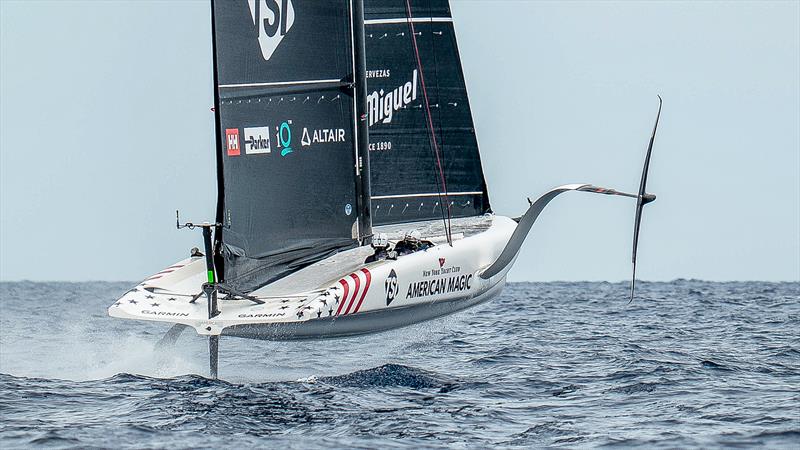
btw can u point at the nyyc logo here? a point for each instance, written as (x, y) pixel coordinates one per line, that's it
(232, 140)
(382, 105)
(284, 137)
(272, 19)
(256, 140)
(441, 262)
(390, 286)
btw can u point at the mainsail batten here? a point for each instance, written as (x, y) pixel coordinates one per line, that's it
(279, 83)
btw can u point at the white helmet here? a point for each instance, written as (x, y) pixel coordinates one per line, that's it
(413, 235)
(380, 240)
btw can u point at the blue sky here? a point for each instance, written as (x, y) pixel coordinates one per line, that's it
(106, 129)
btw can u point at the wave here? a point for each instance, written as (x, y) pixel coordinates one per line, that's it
(392, 375)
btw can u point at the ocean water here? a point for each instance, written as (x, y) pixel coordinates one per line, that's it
(687, 364)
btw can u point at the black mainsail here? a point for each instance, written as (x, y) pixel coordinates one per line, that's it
(286, 108)
(408, 181)
(332, 115)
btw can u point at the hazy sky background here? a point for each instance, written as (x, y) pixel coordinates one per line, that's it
(105, 130)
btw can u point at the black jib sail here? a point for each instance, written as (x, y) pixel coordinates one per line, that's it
(412, 54)
(287, 150)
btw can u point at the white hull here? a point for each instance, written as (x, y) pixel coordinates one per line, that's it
(343, 296)
(339, 296)
(361, 323)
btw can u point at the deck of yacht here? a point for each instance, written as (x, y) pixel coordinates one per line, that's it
(320, 275)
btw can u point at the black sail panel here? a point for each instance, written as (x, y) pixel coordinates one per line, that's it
(263, 41)
(405, 179)
(285, 114)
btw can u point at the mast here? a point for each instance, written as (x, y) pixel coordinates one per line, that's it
(361, 125)
(218, 260)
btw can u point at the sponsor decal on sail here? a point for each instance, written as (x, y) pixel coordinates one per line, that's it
(284, 137)
(272, 20)
(383, 73)
(232, 141)
(380, 146)
(322, 136)
(382, 105)
(256, 141)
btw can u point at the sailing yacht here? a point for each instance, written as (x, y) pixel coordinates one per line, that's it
(351, 197)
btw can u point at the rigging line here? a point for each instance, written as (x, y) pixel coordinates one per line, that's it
(430, 124)
(439, 122)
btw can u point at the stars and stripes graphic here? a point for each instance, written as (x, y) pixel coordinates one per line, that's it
(354, 290)
(165, 271)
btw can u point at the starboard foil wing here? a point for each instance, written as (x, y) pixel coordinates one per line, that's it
(509, 253)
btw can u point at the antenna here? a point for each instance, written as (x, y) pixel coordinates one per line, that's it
(192, 226)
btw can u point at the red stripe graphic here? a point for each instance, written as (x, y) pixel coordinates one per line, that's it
(159, 275)
(355, 293)
(344, 296)
(165, 271)
(366, 288)
(351, 301)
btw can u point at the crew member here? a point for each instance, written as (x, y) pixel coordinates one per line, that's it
(412, 242)
(380, 242)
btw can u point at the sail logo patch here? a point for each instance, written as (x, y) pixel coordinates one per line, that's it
(384, 73)
(285, 137)
(256, 141)
(321, 136)
(390, 287)
(382, 105)
(232, 141)
(272, 20)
